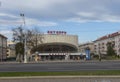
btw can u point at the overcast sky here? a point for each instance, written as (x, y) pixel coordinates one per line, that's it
(89, 19)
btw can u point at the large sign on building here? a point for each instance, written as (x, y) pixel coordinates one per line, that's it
(57, 32)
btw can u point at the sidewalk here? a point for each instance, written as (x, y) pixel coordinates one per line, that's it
(61, 79)
(46, 77)
(57, 61)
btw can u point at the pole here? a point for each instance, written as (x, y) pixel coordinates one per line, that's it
(0, 3)
(25, 47)
(2, 50)
(25, 53)
(99, 55)
(2, 44)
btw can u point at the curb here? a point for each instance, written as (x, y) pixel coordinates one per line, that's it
(57, 77)
(68, 61)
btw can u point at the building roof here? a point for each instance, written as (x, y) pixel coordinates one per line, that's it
(87, 43)
(3, 36)
(109, 36)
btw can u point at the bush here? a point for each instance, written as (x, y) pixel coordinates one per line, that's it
(11, 59)
(96, 56)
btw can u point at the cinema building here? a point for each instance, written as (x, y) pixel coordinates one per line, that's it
(57, 45)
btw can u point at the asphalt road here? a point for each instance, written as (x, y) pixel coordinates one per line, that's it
(59, 66)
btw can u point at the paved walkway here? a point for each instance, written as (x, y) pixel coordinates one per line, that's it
(61, 79)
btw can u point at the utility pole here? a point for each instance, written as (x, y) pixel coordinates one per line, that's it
(25, 47)
(99, 55)
(2, 44)
(2, 50)
(0, 3)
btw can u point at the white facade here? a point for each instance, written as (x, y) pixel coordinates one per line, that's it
(100, 45)
(66, 39)
(58, 47)
(56, 42)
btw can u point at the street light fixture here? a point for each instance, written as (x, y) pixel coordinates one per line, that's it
(25, 47)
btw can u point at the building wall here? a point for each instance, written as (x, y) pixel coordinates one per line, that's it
(10, 49)
(100, 45)
(89, 45)
(68, 39)
(3, 47)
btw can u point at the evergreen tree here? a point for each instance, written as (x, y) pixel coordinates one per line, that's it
(19, 48)
(110, 50)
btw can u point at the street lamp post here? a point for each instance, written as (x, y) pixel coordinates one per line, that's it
(0, 3)
(99, 55)
(2, 41)
(25, 47)
(25, 53)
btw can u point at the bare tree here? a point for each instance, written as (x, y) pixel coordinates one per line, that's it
(18, 34)
(34, 36)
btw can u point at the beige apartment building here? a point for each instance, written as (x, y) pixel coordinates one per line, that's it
(3, 48)
(10, 49)
(84, 46)
(100, 45)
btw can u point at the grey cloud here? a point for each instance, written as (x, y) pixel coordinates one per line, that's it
(52, 10)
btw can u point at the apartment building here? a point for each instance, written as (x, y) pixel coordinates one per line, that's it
(3, 47)
(10, 49)
(100, 45)
(82, 47)
(87, 48)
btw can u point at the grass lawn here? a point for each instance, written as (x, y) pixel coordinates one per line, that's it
(100, 72)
